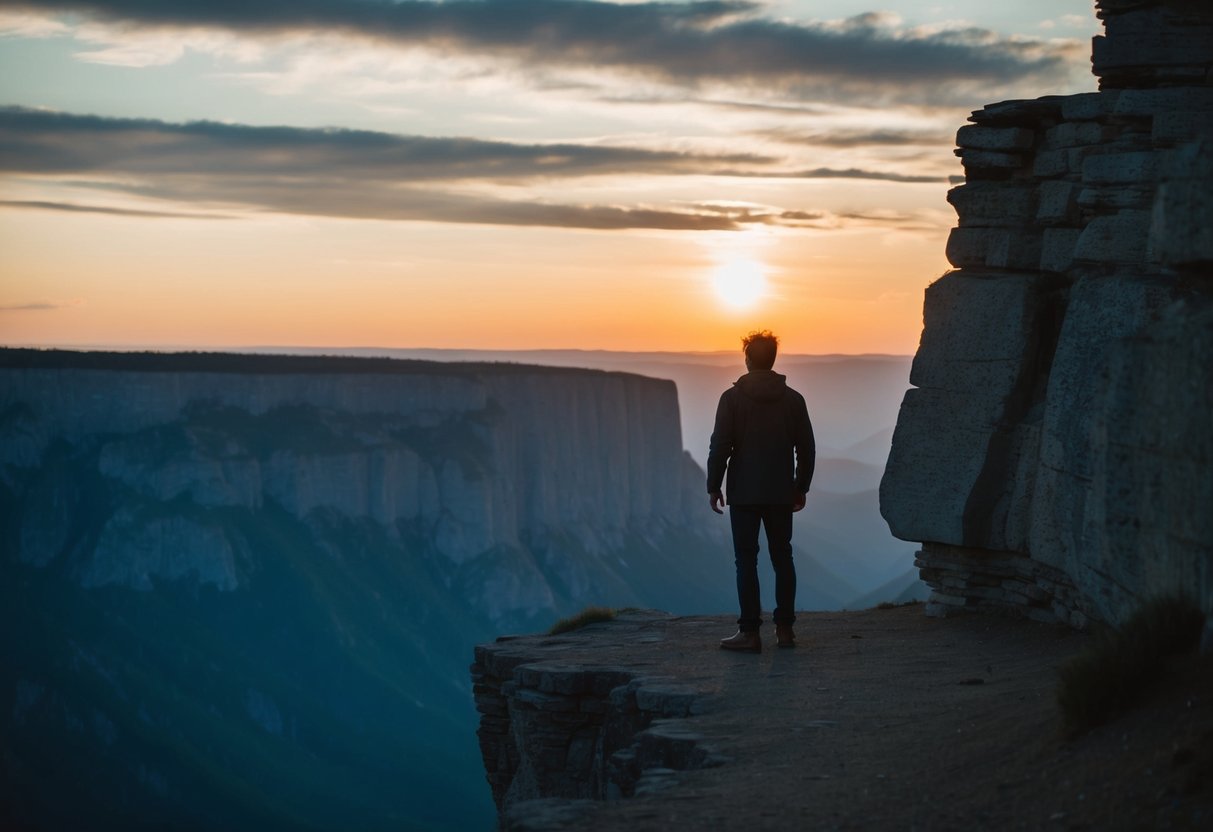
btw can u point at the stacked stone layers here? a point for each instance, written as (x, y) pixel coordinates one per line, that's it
(1061, 417)
(575, 731)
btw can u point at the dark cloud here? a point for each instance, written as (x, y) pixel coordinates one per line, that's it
(37, 141)
(74, 208)
(684, 43)
(358, 174)
(858, 138)
(842, 173)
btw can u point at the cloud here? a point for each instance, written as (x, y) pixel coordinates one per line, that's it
(40, 306)
(859, 138)
(364, 174)
(72, 207)
(850, 173)
(687, 44)
(39, 141)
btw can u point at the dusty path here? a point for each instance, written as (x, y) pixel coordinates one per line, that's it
(886, 719)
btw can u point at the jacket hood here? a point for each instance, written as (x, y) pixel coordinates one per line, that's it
(762, 385)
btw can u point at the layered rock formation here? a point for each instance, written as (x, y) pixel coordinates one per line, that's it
(539, 479)
(1056, 452)
(560, 721)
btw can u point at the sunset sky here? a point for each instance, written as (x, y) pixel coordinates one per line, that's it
(499, 174)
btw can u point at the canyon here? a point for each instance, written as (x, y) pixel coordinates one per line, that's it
(241, 591)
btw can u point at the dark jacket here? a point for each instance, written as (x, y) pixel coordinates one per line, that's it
(764, 438)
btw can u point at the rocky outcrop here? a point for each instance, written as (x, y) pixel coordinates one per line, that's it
(559, 722)
(1059, 423)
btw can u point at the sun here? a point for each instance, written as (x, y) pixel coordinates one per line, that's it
(740, 283)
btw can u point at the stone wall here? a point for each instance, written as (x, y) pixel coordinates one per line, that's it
(1059, 424)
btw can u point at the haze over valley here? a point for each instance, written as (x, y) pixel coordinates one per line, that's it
(271, 570)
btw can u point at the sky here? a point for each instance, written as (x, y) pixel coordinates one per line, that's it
(496, 174)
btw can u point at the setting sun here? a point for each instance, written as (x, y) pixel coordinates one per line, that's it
(740, 283)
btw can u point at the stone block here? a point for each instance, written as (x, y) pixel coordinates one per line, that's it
(1057, 203)
(1089, 106)
(1181, 230)
(1112, 198)
(975, 364)
(1176, 126)
(667, 700)
(948, 600)
(1120, 168)
(1005, 139)
(1057, 248)
(1050, 163)
(670, 743)
(991, 164)
(1074, 134)
(543, 701)
(1143, 40)
(1028, 112)
(1147, 523)
(1029, 590)
(1120, 239)
(1100, 312)
(1149, 103)
(999, 248)
(993, 205)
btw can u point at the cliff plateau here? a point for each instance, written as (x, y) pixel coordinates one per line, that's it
(1056, 453)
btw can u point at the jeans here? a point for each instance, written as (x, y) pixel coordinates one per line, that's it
(777, 520)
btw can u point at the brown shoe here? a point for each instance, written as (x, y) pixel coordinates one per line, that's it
(784, 635)
(743, 642)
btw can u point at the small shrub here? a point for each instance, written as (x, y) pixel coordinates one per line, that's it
(1117, 671)
(589, 615)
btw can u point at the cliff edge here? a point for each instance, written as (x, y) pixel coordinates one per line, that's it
(1055, 453)
(884, 719)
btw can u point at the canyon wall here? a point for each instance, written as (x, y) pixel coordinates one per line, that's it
(224, 573)
(1055, 453)
(538, 478)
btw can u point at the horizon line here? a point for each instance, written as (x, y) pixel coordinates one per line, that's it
(261, 348)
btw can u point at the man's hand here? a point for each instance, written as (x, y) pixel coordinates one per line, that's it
(716, 501)
(798, 501)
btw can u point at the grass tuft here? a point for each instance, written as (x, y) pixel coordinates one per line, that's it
(1117, 671)
(589, 615)
(892, 605)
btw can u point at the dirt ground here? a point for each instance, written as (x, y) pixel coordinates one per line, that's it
(887, 719)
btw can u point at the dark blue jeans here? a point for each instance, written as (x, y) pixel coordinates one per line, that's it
(777, 520)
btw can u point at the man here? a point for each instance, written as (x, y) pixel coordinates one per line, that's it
(764, 438)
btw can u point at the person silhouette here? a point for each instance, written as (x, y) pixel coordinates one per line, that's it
(763, 439)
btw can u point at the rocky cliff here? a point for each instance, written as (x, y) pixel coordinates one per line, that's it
(235, 570)
(1056, 451)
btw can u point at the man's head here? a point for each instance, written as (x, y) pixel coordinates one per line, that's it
(760, 348)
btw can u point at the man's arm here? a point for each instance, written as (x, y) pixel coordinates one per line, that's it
(806, 450)
(720, 448)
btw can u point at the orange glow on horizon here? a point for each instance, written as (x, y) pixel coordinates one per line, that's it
(290, 281)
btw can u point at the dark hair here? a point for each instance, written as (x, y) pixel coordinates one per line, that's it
(760, 348)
